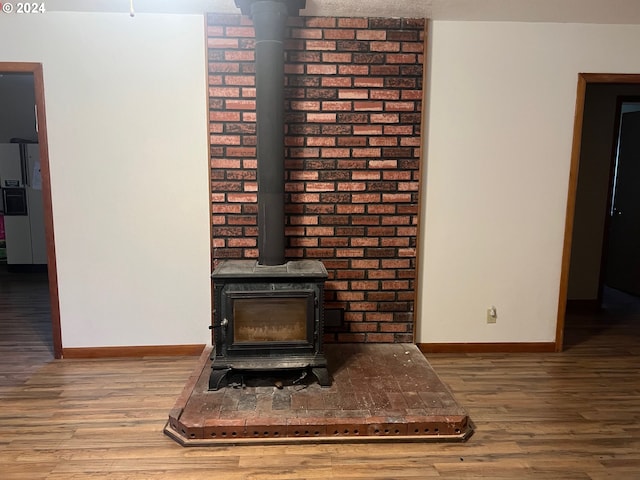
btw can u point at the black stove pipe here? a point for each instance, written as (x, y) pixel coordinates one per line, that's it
(269, 18)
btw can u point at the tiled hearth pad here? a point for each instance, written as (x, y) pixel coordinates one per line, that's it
(379, 392)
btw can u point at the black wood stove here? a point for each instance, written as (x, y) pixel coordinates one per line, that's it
(268, 318)
(269, 313)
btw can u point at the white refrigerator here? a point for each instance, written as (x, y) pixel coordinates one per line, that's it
(22, 208)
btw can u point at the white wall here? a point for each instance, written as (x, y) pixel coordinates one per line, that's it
(501, 100)
(126, 117)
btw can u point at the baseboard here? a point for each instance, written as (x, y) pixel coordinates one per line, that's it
(510, 347)
(134, 351)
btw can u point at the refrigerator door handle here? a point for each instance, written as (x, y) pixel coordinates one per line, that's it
(24, 164)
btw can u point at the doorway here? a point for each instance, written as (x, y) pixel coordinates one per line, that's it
(34, 72)
(590, 189)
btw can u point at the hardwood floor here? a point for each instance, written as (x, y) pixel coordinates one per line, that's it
(572, 415)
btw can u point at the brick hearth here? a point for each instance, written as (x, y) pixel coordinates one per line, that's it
(379, 392)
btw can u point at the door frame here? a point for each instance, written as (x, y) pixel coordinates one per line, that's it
(36, 70)
(583, 80)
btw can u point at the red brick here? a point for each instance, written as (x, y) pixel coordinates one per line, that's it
(353, 93)
(385, 94)
(320, 22)
(366, 198)
(367, 106)
(247, 92)
(239, 56)
(416, 47)
(381, 209)
(320, 187)
(352, 186)
(401, 58)
(349, 208)
(324, 69)
(325, 45)
(233, 31)
(225, 163)
(338, 242)
(382, 164)
(396, 263)
(336, 82)
(321, 117)
(398, 175)
(364, 306)
(242, 197)
(379, 35)
(330, 57)
(351, 337)
(407, 231)
(395, 285)
(347, 296)
(337, 106)
(224, 116)
(349, 252)
(411, 141)
(240, 104)
(215, 31)
(367, 129)
(290, 69)
(396, 197)
(239, 80)
(241, 242)
(379, 317)
(365, 175)
(385, 118)
(352, 141)
(305, 198)
(351, 22)
(339, 34)
(381, 296)
(353, 70)
(408, 186)
(379, 337)
(303, 175)
(384, 47)
(395, 242)
(304, 152)
(363, 327)
(365, 242)
(223, 67)
(411, 94)
(398, 129)
(366, 152)
(305, 105)
(369, 82)
(394, 327)
(334, 152)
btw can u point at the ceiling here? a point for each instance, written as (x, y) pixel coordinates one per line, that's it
(564, 11)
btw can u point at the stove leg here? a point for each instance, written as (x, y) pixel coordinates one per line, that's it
(322, 374)
(216, 378)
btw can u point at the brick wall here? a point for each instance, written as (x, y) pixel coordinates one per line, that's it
(352, 159)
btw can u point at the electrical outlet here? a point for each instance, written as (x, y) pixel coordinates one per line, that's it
(492, 314)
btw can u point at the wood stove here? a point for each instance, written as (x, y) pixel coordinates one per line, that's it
(268, 318)
(269, 313)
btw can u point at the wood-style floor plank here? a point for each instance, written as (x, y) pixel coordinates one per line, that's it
(574, 415)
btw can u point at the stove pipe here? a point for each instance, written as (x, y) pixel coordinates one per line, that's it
(269, 18)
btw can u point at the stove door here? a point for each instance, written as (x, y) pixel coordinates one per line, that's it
(270, 322)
